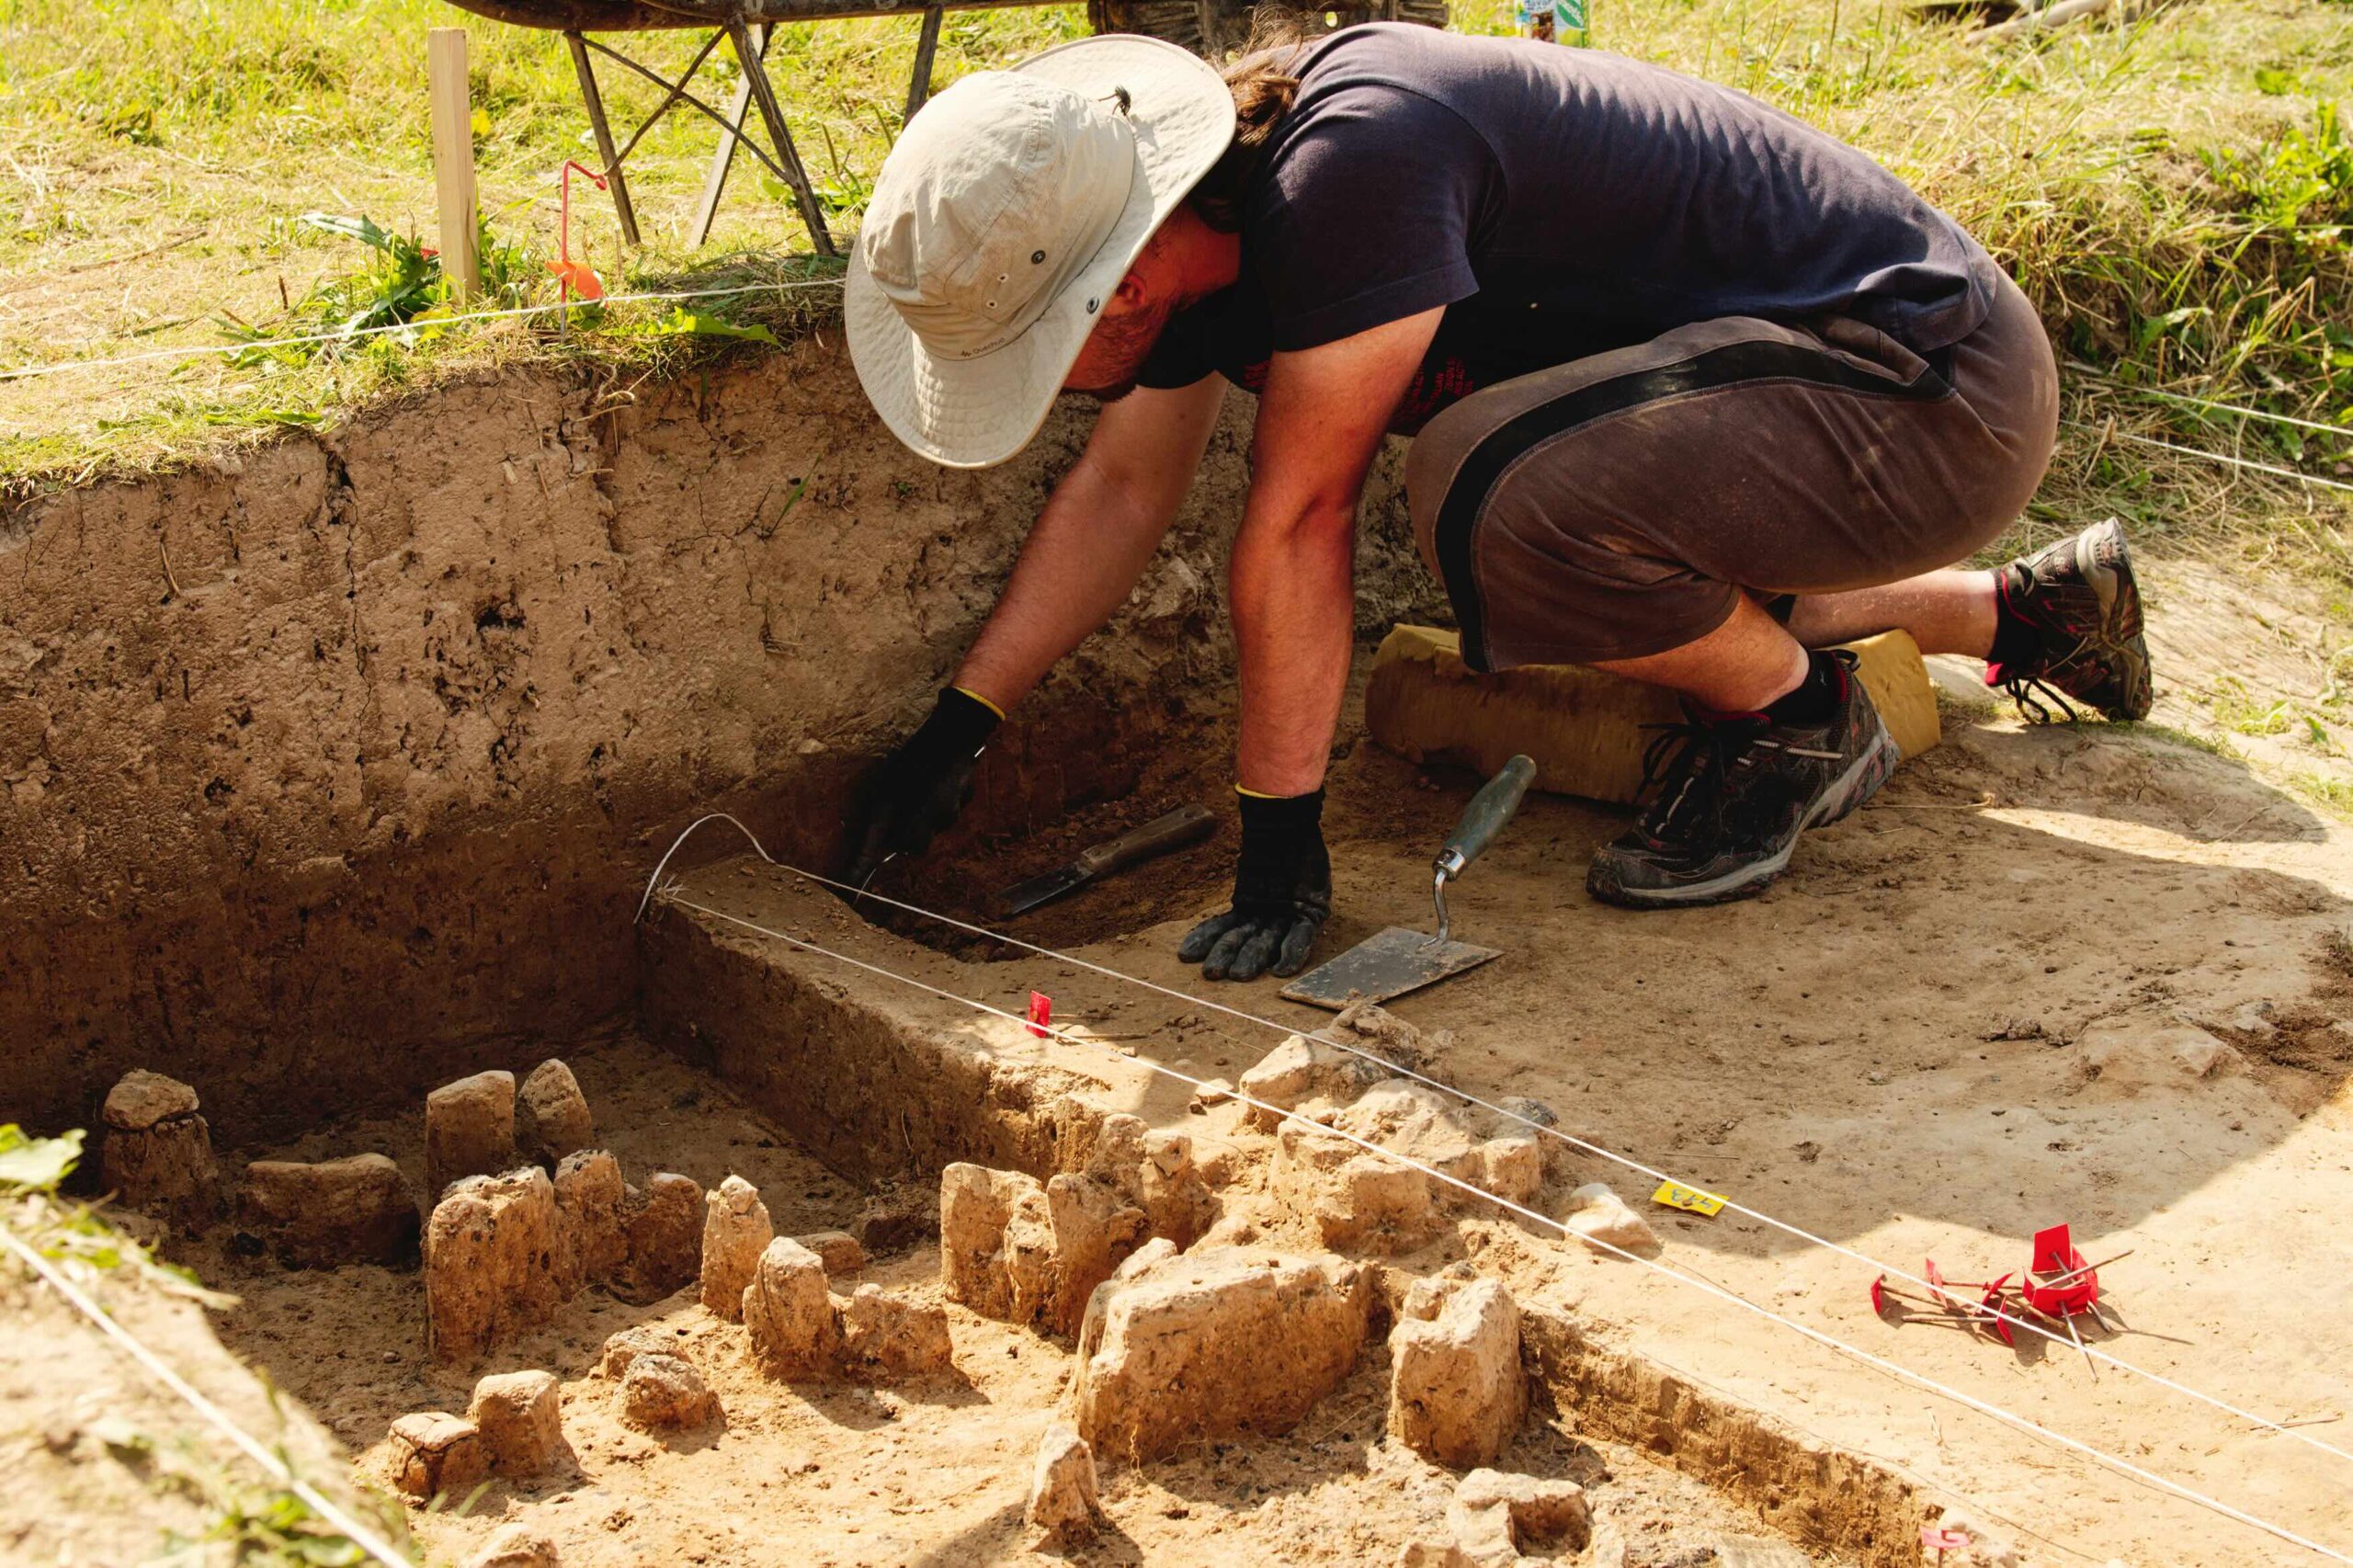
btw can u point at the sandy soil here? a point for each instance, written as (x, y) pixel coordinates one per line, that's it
(931, 1473)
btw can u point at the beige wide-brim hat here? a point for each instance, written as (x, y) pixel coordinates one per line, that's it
(969, 407)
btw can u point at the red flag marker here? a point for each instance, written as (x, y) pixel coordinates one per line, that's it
(1041, 1013)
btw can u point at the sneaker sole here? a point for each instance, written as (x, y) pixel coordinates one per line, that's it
(1858, 784)
(2119, 609)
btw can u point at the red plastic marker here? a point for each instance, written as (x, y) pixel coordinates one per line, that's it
(1041, 1013)
(1940, 1542)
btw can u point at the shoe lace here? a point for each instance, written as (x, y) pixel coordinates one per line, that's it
(2022, 689)
(1696, 774)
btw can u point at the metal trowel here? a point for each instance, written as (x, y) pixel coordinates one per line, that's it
(1400, 960)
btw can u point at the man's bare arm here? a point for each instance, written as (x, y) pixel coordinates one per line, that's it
(1320, 421)
(1092, 540)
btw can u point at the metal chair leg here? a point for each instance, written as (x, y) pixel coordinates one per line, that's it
(756, 76)
(927, 47)
(595, 102)
(723, 157)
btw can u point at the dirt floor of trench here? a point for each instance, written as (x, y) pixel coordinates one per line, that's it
(934, 1472)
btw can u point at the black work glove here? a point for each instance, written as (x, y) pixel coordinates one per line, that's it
(919, 789)
(1282, 895)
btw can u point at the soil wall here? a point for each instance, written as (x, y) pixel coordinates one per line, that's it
(334, 769)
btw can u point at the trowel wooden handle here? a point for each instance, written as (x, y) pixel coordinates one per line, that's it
(1484, 817)
(1186, 824)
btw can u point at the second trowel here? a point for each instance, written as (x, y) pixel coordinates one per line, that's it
(1400, 960)
(1186, 824)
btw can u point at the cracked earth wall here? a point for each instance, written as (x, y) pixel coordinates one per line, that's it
(328, 768)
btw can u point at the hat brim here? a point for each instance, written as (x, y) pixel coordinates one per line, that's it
(976, 413)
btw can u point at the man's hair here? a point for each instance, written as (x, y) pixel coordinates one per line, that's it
(1262, 87)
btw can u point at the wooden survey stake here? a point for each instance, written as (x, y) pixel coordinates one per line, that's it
(453, 162)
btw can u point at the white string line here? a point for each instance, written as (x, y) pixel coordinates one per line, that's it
(2223, 457)
(2243, 411)
(359, 1535)
(28, 371)
(2122, 1466)
(1573, 1140)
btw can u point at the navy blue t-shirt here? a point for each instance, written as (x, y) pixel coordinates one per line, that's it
(1558, 202)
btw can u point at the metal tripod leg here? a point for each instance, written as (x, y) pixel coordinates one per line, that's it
(594, 101)
(723, 157)
(927, 47)
(756, 76)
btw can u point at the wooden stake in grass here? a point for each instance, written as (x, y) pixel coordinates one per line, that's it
(453, 162)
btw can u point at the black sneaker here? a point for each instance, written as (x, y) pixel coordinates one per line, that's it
(2079, 595)
(1734, 794)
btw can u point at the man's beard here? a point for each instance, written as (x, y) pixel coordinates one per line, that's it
(1126, 342)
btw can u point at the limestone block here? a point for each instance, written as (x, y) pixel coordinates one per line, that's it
(838, 1250)
(1176, 1197)
(1062, 1486)
(888, 1335)
(620, 1349)
(589, 1194)
(468, 1130)
(975, 1203)
(1029, 1251)
(795, 1332)
(1420, 1123)
(434, 1451)
(517, 1546)
(358, 1209)
(1376, 1205)
(551, 1116)
(662, 1393)
(489, 1257)
(1456, 1393)
(1093, 1230)
(1584, 728)
(1496, 1518)
(157, 1157)
(662, 1228)
(1599, 1215)
(735, 1231)
(520, 1418)
(1301, 1072)
(490, 1262)
(1512, 1167)
(1204, 1343)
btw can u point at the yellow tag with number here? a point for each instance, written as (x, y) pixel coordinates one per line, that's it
(1691, 1199)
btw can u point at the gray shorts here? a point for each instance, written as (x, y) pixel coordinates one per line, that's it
(1618, 505)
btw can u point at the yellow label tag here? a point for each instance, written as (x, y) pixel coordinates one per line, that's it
(1691, 1199)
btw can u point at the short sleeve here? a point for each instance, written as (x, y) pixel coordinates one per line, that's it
(1365, 214)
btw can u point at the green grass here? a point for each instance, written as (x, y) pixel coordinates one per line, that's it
(2175, 193)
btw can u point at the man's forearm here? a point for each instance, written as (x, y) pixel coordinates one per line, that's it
(1081, 561)
(1294, 619)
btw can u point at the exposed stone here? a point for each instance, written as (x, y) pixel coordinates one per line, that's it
(551, 1116)
(661, 1392)
(975, 1205)
(1600, 1215)
(358, 1209)
(645, 1339)
(1301, 1071)
(795, 1332)
(735, 1231)
(1419, 1123)
(468, 1130)
(1757, 1551)
(1094, 1229)
(661, 1231)
(1176, 1201)
(517, 1546)
(1456, 1392)
(890, 1336)
(1496, 1518)
(838, 1250)
(139, 1099)
(1062, 1486)
(157, 1158)
(490, 1262)
(1375, 1205)
(520, 1418)
(1214, 1092)
(1512, 1167)
(434, 1451)
(589, 1194)
(1203, 1344)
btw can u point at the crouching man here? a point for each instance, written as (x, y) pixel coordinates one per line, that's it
(1695, 392)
